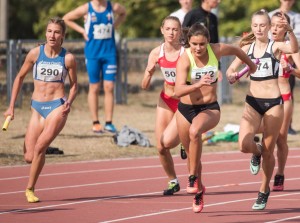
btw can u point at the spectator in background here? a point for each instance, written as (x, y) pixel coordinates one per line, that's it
(186, 6)
(285, 7)
(203, 15)
(102, 17)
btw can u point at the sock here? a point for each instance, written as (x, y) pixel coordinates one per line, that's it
(96, 122)
(108, 123)
(174, 181)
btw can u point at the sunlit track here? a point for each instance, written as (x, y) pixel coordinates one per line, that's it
(78, 191)
(147, 179)
(141, 167)
(128, 159)
(290, 219)
(152, 193)
(183, 209)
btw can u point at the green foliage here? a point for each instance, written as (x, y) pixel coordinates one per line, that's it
(28, 19)
(23, 14)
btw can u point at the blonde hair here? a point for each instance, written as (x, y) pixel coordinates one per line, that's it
(250, 37)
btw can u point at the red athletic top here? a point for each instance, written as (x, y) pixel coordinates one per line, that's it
(168, 68)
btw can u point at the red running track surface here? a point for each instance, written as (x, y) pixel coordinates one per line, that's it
(130, 190)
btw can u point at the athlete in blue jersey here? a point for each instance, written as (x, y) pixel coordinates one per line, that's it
(101, 18)
(51, 63)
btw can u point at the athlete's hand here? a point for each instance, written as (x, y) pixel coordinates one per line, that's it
(84, 35)
(231, 77)
(204, 81)
(284, 63)
(67, 108)
(9, 112)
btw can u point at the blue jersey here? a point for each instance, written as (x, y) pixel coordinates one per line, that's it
(50, 69)
(100, 31)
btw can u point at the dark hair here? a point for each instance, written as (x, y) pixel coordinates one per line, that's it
(196, 29)
(250, 37)
(279, 14)
(174, 18)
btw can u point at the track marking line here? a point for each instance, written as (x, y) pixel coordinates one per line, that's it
(285, 219)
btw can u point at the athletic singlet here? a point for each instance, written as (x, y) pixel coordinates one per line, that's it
(100, 31)
(168, 68)
(211, 68)
(50, 69)
(268, 67)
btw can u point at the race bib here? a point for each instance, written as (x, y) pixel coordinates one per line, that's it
(103, 31)
(264, 68)
(198, 73)
(49, 71)
(169, 74)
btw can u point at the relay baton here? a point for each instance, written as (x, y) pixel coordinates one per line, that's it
(6, 123)
(244, 71)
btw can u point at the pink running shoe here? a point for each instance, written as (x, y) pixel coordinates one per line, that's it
(198, 201)
(192, 187)
(278, 183)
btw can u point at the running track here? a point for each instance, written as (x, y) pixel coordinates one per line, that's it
(129, 190)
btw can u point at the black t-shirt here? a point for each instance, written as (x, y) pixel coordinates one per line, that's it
(208, 19)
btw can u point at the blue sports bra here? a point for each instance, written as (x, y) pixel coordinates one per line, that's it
(50, 69)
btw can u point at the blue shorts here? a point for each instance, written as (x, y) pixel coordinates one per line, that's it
(102, 69)
(45, 108)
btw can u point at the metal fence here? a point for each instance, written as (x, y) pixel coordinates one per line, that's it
(132, 57)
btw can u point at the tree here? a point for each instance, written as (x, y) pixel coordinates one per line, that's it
(235, 15)
(22, 16)
(27, 19)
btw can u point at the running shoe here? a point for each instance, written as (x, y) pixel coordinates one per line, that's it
(97, 128)
(198, 202)
(291, 131)
(192, 187)
(261, 201)
(278, 183)
(182, 152)
(255, 162)
(172, 188)
(31, 198)
(110, 128)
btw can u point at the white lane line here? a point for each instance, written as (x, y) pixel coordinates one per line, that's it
(137, 195)
(285, 219)
(146, 179)
(136, 167)
(123, 159)
(189, 208)
(124, 168)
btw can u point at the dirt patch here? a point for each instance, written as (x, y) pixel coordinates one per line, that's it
(79, 143)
